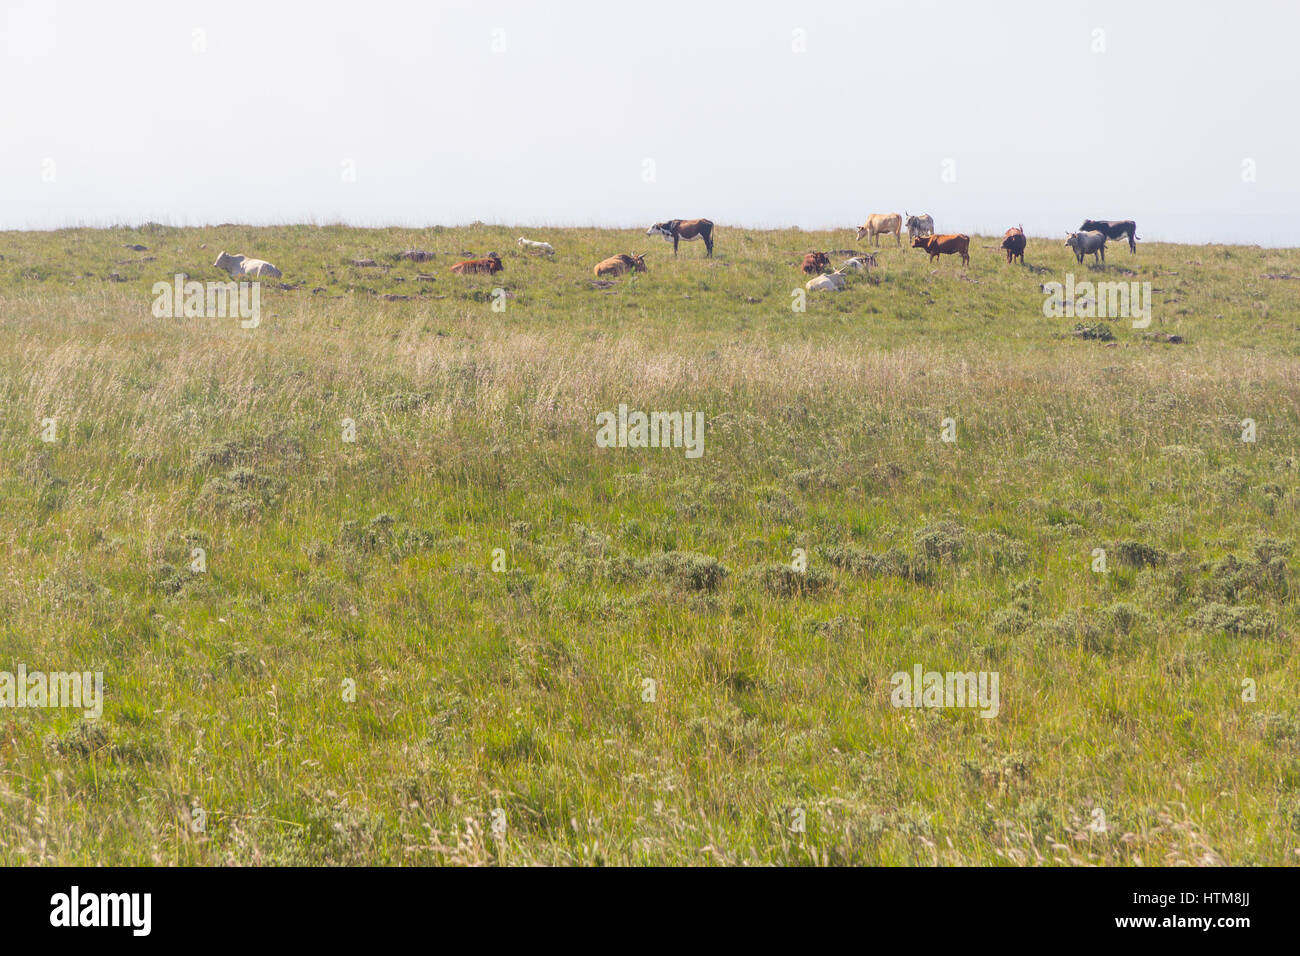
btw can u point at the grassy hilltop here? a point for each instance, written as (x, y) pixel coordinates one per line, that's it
(1122, 734)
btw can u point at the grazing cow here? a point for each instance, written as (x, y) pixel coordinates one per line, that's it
(815, 262)
(922, 225)
(543, 247)
(880, 222)
(244, 266)
(1087, 242)
(831, 282)
(619, 264)
(491, 264)
(1013, 240)
(684, 230)
(859, 263)
(1113, 230)
(945, 245)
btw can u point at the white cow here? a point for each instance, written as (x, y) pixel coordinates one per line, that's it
(859, 263)
(244, 266)
(543, 247)
(831, 282)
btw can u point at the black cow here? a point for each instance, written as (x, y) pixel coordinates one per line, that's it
(1113, 230)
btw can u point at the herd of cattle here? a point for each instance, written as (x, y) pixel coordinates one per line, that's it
(1090, 239)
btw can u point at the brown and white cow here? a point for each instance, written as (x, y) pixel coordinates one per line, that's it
(619, 264)
(1013, 241)
(684, 230)
(946, 245)
(490, 264)
(815, 262)
(880, 222)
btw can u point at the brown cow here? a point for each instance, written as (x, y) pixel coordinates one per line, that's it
(946, 245)
(617, 265)
(1013, 240)
(815, 262)
(491, 264)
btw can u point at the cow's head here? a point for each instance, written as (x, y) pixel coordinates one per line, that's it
(225, 260)
(664, 229)
(1072, 239)
(921, 242)
(638, 262)
(862, 233)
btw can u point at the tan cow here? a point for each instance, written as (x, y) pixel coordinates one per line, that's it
(619, 264)
(880, 222)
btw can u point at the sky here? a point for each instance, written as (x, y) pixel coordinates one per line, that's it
(1179, 115)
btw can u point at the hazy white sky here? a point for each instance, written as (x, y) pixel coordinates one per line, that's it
(984, 114)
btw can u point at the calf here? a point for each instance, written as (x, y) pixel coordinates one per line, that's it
(619, 264)
(945, 245)
(543, 247)
(688, 230)
(244, 266)
(1084, 243)
(1013, 240)
(815, 262)
(491, 264)
(1126, 228)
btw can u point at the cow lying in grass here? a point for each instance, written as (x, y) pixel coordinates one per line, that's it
(490, 264)
(814, 262)
(619, 264)
(831, 282)
(244, 266)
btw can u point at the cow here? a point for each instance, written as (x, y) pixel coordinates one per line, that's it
(1113, 230)
(1084, 243)
(491, 264)
(945, 245)
(545, 248)
(880, 222)
(1013, 241)
(244, 266)
(684, 230)
(831, 282)
(815, 262)
(862, 263)
(922, 225)
(617, 265)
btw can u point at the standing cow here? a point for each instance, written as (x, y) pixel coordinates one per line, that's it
(946, 245)
(688, 230)
(922, 225)
(881, 222)
(1013, 241)
(1113, 229)
(1085, 243)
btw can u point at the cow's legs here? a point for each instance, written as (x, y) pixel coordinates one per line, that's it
(675, 239)
(708, 245)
